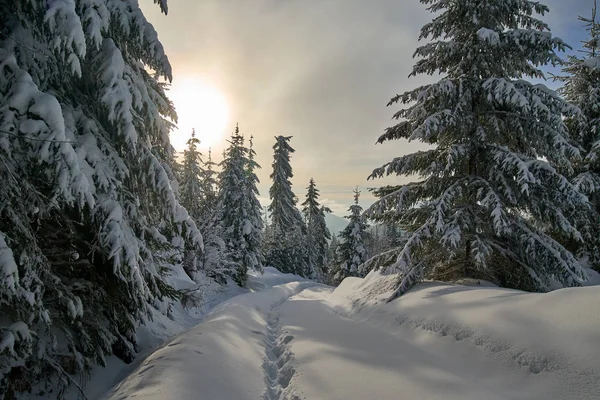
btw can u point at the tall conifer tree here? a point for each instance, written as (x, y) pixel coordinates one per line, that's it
(286, 249)
(317, 233)
(89, 222)
(191, 191)
(191, 195)
(486, 183)
(239, 209)
(582, 88)
(352, 251)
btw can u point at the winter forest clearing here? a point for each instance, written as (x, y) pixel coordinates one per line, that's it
(133, 268)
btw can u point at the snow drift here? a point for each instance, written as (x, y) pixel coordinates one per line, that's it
(438, 341)
(553, 337)
(218, 359)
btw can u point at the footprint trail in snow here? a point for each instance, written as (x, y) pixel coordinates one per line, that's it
(278, 362)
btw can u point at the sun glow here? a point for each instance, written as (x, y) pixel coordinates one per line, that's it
(199, 106)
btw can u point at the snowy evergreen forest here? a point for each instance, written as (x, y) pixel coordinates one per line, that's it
(103, 224)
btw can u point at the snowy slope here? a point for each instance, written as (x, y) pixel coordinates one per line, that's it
(156, 332)
(301, 340)
(218, 359)
(153, 334)
(551, 339)
(339, 358)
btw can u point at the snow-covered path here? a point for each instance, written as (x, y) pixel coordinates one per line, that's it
(339, 358)
(301, 340)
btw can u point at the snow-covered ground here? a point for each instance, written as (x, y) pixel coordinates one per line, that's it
(301, 340)
(220, 358)
(153, 335)
(513, 345)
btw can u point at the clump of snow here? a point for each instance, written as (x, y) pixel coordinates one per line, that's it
(270, 277)
(593, 277)
(488, 35)
(8, 342)
(592, 63)
(248, 227)
(19, 331)
(9, 270)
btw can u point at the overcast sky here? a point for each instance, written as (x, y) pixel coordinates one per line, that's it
(321, 71)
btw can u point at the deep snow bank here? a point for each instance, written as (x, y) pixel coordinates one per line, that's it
(218, 359)
(269, 278)
(556, 334)
(166, 320)
(334, 357)
(160, 328)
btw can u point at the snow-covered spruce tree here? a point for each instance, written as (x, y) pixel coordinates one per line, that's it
(239, 209)
(375, 243)
(389, 234)
(285, 247)
(582, 88)
(191, 195)
(86, 204)
(352, 252)
(254, 213)
(393, 235)
(197, 190)
(191, 191)
(485, 186)
(212, 261)
(285, 216)
(317, 233)
(333, 265)
(209, 185)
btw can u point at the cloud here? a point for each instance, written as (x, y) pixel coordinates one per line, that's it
(337, 207)
(320, 71)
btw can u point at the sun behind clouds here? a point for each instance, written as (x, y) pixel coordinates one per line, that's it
(200, 106)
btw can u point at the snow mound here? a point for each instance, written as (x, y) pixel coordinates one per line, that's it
(474, 282)
(269, 278)
(166, 321)
(222, 358)
(593, 277)
(556, 335)
(171, 319)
